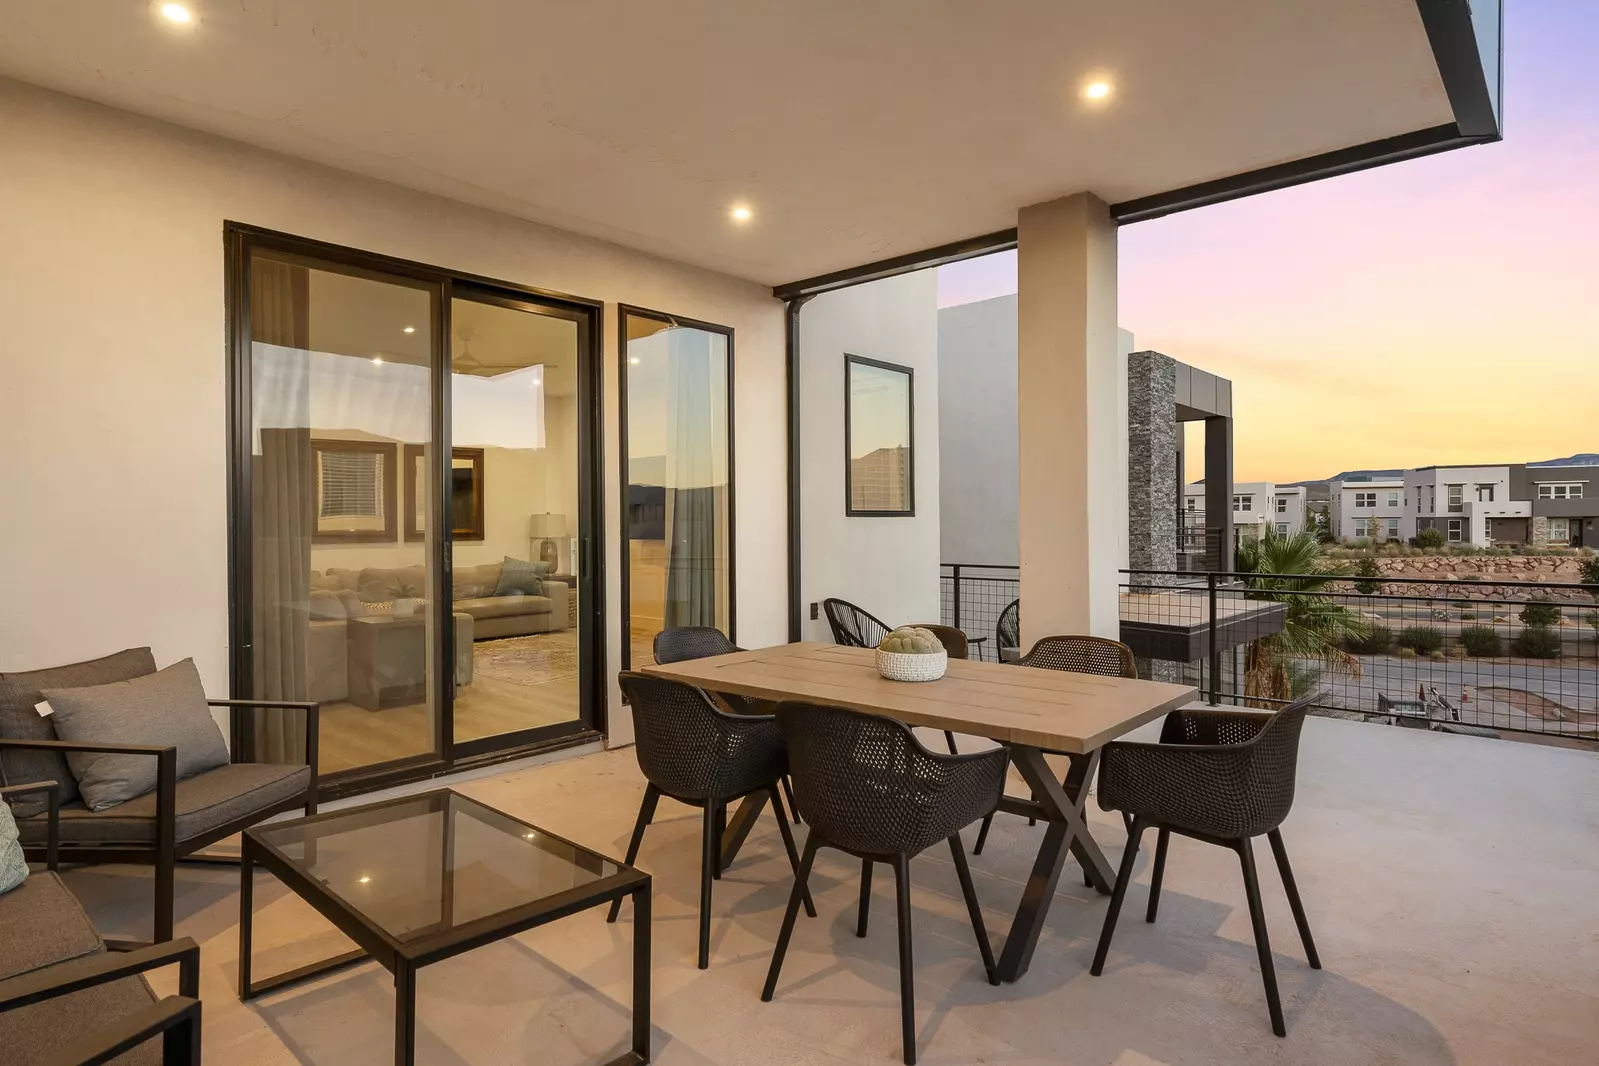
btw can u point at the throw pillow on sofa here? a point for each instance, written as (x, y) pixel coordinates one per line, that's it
(21, 691)
(166, 708)
(13, 865)
(518, 577)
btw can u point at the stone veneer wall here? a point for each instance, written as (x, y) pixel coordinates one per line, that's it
(1152, 489)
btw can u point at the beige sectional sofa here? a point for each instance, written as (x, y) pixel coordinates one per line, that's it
(338, 595)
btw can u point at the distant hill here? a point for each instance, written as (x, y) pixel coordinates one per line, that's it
(1580, 459)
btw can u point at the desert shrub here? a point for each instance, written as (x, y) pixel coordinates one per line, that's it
(1431, 537)
(1367, 568)
(1376, 640)
(1422, 639)
(1407, 653)
(1481, 640)
(1540, 613)
(1436, 655)
(1466, 616)
(1456, 651)
(1537, 642)
(1589, 569)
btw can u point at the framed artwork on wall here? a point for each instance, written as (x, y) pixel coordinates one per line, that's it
(879, 439)
(353, 491)
(466, 493)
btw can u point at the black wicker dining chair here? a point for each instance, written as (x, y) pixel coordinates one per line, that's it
(680, 643)
(851, 626)
(1078, 655)
(869, 788)
(692, 752)
(1008, 630)
(1222, 777)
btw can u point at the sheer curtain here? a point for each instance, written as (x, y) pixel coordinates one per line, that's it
(281, 500)
(696, 478)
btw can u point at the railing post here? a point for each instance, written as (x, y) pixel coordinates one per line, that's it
(956, 600)
(1215, 651)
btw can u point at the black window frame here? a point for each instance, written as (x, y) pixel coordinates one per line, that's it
(910, 431)
(448, 755)
(625, 610)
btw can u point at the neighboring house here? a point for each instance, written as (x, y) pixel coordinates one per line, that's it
(1563, 502)
(1254, 506)
(1289, 503)
(1470, 505)
(1370, 509)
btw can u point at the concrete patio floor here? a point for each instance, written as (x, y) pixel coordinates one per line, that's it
(1452, 885)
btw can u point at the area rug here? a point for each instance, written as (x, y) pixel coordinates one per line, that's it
(532, 660)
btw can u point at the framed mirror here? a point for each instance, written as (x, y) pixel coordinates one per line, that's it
(879, 439)
(466, 493)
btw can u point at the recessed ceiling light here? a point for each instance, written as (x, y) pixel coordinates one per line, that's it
(741, 214)
(366, 880)
(410, 329)
(377, 360)
(1096, 90)
(176, 13)
(633, 359)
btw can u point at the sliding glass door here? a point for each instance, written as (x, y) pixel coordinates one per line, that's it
(516, 518)
(677, 426)
(434, 599)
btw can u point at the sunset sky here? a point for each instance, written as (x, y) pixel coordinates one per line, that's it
(1442, 310)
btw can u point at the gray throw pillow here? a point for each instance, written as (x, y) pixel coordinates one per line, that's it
(13, 866)
(19, 692)
(520, 577)
(166, 708)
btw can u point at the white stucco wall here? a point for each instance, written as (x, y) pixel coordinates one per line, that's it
(889, 566)
(977, 432)
(112, 361)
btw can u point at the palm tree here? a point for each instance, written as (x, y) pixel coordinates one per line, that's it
(1291, 663)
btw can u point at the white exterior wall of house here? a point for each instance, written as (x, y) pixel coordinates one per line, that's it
(111, 288)
(977, 438)
(889, 566)
(1484, 496)
(1253, 506)
(1354, 511)
(1288, 510)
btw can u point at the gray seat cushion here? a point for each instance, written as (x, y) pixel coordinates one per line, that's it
(42, 924)
(13, 867)
(204, 802)
(19, 721)
(165, 708)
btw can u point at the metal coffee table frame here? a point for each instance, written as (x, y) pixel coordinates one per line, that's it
(404, 959)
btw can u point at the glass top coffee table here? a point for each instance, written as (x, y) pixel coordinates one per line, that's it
(423, 878)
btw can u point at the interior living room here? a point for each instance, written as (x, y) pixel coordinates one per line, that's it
(359, 382)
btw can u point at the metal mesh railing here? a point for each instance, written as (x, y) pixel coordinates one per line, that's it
(1446, 654)
(971, 597)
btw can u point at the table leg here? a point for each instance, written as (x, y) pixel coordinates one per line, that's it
(246, 916)
(641, 972)
(1065, 831)
(739, 826)
(404, 1014)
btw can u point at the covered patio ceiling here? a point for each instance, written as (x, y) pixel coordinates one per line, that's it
(852, 132)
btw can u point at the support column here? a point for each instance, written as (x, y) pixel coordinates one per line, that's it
(1072, 419)
(1219, 493)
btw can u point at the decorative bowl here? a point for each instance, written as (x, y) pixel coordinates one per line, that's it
(909, 666)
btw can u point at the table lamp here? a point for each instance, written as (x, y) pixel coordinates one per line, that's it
(547, 528)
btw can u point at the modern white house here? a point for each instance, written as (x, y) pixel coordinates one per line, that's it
(1464, 503)
(1369, 510)
(1288, 509)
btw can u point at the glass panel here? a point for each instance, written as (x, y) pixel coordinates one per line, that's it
(514, 516)
(679, 535)
(339, 373)
(881, 466)
(426, 865)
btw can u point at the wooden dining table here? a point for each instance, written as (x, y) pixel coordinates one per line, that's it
(1032, 711)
